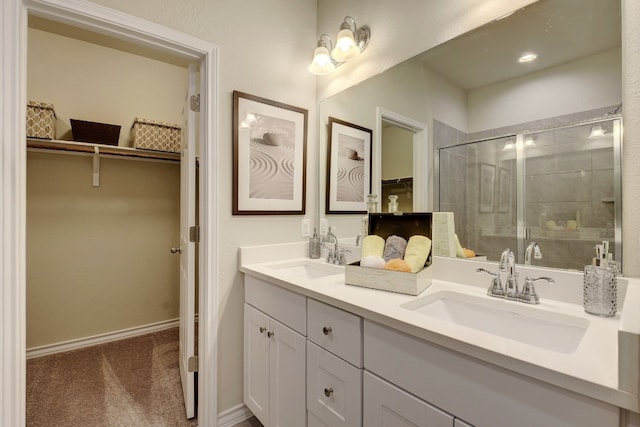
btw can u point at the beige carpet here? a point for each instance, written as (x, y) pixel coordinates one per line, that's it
(132, 382)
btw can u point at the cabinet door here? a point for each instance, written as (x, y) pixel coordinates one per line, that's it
(386, 405)
(287, 391)
(334, 389)
(256, 363)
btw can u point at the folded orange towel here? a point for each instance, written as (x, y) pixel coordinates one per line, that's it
(397, 265)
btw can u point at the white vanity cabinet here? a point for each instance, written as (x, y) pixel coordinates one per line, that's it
(334, 366)
(479, 393)
(274, 354)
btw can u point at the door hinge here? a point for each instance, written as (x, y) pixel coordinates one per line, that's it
(194, 234)
(195, 103)
(192, 364)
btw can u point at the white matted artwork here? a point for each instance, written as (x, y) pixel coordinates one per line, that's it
(348, 167)
(270, 150)
(487, 187)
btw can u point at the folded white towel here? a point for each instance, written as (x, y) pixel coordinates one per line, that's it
(372, 262)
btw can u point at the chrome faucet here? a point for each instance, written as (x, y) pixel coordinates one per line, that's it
(333, 256)
(508, 264)
(537, 254)
(510, 290)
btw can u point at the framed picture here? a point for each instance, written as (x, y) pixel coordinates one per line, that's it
(348, 167)
(269, 157)
(504, 190)
(487, 187)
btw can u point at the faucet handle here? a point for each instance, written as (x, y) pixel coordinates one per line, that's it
(528, 293)
(495, 289)
(342, 259)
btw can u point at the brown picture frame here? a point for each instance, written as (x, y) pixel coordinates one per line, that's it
(269, 156)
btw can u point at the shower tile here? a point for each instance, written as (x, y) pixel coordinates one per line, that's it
(602, 158)
(573, 161)
(570, 186)
(602, 185)
(602, 214)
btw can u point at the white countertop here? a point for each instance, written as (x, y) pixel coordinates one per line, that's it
(592, 369)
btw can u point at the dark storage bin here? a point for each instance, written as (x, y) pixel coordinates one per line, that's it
(93, 132)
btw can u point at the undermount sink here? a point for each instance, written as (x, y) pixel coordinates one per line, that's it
(542, 328)
(307, 269)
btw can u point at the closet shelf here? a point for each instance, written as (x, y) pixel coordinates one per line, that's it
(81, 147)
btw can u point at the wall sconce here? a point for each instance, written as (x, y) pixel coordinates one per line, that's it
(350, 42)
(596, 132)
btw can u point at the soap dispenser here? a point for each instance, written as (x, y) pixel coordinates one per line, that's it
(314, 245)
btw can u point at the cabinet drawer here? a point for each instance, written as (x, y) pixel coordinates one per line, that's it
(385, 405)
(473, 387)
(336, 330)
(286, 306)
(334, 389)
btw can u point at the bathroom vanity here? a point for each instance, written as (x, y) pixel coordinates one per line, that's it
(319, 352)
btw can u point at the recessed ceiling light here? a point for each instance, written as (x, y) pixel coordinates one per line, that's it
(528, 57)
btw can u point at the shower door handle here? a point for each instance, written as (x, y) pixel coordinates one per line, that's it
(176, 250)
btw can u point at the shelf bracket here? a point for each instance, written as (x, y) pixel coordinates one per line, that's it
(96, 167)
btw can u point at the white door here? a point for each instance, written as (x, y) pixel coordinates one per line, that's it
(187, 248)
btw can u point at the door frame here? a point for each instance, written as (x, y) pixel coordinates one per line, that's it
(13, 84)
(422, 175)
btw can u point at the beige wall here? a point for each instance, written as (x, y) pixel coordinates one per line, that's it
(397, 152)
(98, 258)
(90, 82)
(265, 49)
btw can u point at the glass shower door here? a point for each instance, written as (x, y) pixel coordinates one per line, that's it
(571, 191)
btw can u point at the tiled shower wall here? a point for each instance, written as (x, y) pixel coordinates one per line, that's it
(452, 175)
(559, 184)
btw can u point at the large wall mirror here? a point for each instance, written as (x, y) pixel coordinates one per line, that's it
(519, 151)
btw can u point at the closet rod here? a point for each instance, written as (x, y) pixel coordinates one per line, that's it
(81, 147)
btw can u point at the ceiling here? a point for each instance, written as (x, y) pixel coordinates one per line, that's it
(558, 30)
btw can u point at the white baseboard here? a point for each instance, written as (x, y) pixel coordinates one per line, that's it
(48, 349)
(234, 415)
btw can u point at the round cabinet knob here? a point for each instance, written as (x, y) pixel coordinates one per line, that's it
(270, 334)
(326, 330)
(328, 392)
(176, 250)
(262, 329)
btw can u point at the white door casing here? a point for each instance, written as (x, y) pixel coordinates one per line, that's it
(13, 53)
(187, 245)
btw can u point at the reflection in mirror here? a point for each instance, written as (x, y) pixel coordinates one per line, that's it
(396, 168)
(473, 88)
(558, 188)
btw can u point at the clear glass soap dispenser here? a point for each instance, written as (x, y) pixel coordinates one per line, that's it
(314, 245)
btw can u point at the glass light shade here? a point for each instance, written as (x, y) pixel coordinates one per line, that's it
(509, 145)
(346, 47)
(321, 63)
(596, 131)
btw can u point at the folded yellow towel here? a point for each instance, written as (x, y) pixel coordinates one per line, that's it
(372, 245)
(459, 249)
(417, 252)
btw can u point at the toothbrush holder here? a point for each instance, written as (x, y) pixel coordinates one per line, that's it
(600, 291)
